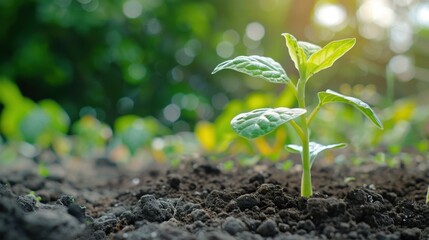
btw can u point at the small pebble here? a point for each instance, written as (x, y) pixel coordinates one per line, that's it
(283, 227)
(411, 234)
(174, 182)
(268, 228)
(247, 201)
(306, 225)
(233, 225)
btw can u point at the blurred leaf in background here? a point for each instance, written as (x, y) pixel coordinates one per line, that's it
(135, 132)
(24, 120)
(90, 137)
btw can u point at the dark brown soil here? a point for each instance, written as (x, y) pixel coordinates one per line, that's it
(100, 200)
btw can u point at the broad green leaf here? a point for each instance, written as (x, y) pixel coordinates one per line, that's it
(296, 53)
(256, 66)
(308, 48)
(315, 149)
(262, 121)
(325, 57)
(330, 97)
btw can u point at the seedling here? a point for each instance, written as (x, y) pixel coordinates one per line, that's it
(309, 59)
(427, 197)
(43, 170)
(33, 195)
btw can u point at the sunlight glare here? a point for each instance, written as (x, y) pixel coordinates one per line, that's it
(401, 37)
(330, 15)
(420, 14)
(379, 12)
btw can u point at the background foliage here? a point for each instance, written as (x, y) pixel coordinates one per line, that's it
(125, 61)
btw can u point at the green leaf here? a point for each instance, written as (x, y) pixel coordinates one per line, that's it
(325, 57)
(60, 120)
(35, 125)
(330, 97)
(296, 53)
(9, 93)
(12, 116)
(315, 149)
(256, 66)
(136, 132)
(308, 48)
(262, 121)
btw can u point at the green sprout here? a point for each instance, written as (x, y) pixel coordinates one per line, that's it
(309, 59)
(427, 197)
(43, 170)
(33, 195)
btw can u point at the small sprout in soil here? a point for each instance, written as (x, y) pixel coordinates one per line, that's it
(43, 170)
(427, 197)
(309, 59)
(228, 165)
(349, 179)
(286, 165)
(33, 195)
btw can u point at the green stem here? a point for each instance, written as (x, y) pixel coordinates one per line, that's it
(306, 185)
(297, 129)
(293, 87)
(313, 113)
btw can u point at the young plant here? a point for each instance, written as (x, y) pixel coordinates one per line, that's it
(309, 59)
(427, 197)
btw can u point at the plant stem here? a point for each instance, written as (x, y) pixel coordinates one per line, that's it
(297, 129)
(313, 113)
(306, 186)
(293, 88)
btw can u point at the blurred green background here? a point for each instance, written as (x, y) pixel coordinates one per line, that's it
(120, 67)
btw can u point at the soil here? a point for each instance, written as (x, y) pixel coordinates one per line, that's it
(103, 200)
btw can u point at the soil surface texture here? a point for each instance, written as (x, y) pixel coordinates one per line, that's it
(102, 200)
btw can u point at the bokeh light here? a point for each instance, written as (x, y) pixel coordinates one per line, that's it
(375, 16)
(153, 26)
(402, 66)
(132, 8)
(401, 37)
(255, 31)
(225, 49)
(231, 36)
(378, 12)
(330, 15)
(125, 105)
(420, 14)
(171, 113)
